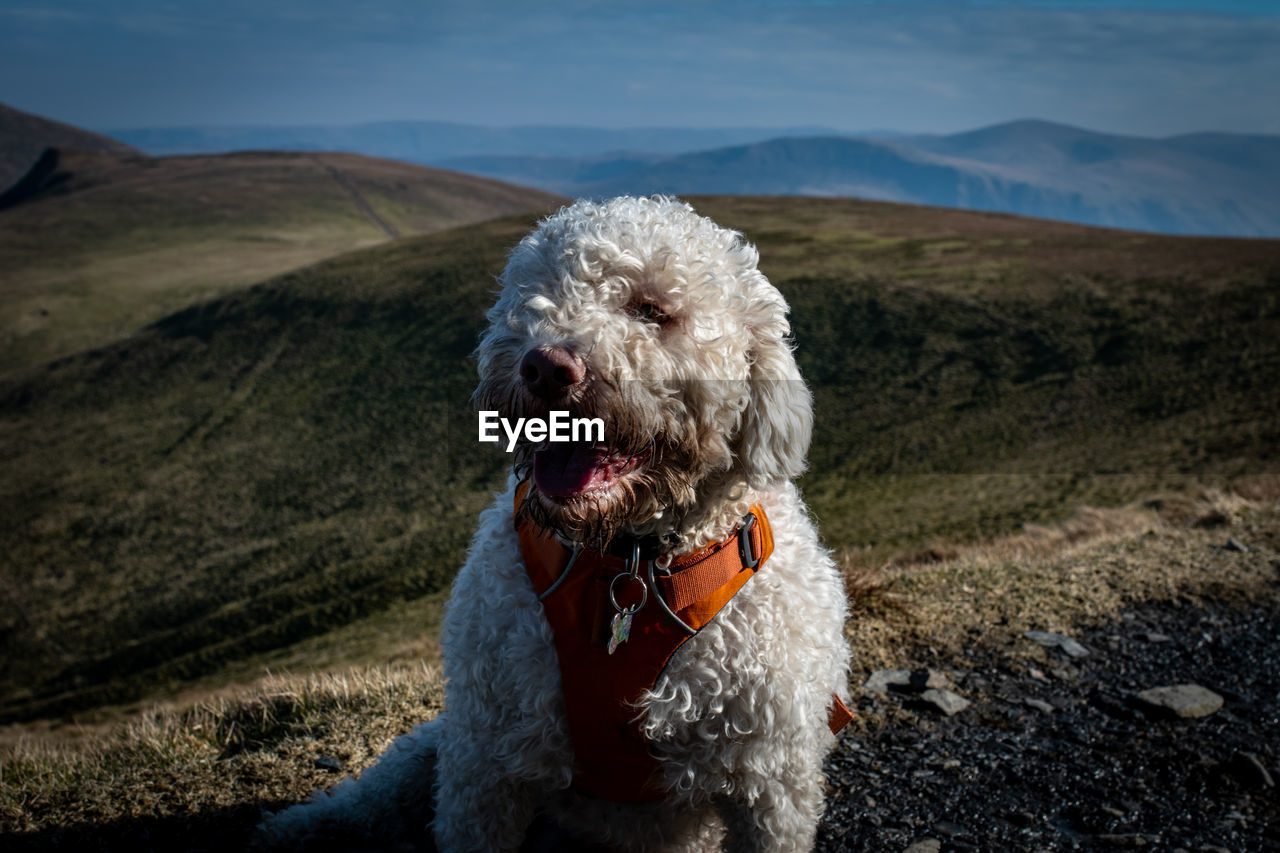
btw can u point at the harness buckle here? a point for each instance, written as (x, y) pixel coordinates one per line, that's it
(749, 559)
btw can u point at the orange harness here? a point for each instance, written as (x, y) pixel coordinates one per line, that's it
(605, 667)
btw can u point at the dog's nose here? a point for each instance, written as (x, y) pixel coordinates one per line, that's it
(548, 372)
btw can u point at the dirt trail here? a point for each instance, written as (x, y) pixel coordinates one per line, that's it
(360, 201)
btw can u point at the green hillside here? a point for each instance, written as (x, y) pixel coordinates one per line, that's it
(97, 245)
(974, 373)
(232, 484)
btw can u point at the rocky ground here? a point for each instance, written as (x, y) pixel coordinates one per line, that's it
(1067, 755)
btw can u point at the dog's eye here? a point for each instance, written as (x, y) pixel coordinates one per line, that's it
(649, 313)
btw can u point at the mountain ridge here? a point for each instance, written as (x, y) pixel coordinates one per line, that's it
(431, 141)
(1207, 183)
(1200, 184)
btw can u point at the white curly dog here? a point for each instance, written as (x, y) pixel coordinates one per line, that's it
(645, 647)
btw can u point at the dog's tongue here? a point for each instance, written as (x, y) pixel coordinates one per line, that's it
(567, 469)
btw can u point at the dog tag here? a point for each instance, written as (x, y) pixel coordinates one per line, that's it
(619, 630)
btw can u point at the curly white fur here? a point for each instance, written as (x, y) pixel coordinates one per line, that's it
(712, 394)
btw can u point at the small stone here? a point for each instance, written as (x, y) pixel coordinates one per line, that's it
(1050, 640)
(1114, 812)
(1153, 637)
(1126, 840)
(906, 681)
(882, 680)
(925, 845)
(329, 763)
(1188, 701)
(1111, 706)
(1234, 544)
(1246, 769)
(949, 829)
(1039, 705)
(945, 701)
(928, 679)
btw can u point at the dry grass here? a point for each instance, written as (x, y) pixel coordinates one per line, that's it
(181, 773)
(933, 604)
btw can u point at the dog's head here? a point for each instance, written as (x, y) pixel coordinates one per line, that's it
(641, 313)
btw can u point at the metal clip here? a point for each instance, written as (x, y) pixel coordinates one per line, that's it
(749, 559)
(620, 625)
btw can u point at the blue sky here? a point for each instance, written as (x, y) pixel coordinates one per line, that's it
(1151, 68)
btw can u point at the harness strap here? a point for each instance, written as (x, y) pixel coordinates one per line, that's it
(838, 715)
(705, 573)
(601, 690)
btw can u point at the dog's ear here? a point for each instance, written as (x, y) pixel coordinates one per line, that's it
(776, 427)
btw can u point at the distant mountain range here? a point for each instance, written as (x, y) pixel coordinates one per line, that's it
(1210, 183)
(430, 142)
(1206, 183)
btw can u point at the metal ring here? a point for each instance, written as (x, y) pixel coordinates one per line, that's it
(644, 588)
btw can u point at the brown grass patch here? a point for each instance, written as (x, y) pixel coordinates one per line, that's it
(254, 750)
(1061, 577)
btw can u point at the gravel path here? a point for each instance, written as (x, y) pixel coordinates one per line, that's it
(1064, 755)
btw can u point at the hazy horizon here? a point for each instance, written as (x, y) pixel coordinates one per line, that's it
(871, 131)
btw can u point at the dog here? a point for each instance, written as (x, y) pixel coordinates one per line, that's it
(645, 647)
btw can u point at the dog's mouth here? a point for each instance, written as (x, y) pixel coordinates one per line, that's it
(571, 469)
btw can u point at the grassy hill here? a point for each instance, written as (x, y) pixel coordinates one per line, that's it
(102, 245)
(233, 484)
(24, 136)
